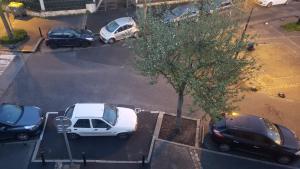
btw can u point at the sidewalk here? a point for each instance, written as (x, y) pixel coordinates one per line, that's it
(32, 25)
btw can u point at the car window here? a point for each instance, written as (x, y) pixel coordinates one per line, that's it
(69, 112)
(260, 139)
(10, 114)
(82, 123)
(56, 35)
(112, 26)
(272, 131)
(99, 123)
(110, 114)
(241, 134)
(178, 11)
(122, 28)
(69, 35)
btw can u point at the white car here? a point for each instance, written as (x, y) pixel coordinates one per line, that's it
(99, 119)
(269, 3)
(118, 29)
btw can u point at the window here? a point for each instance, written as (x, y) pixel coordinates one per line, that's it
(99, 123)
(110, 114)
(68, 35)
(121, 29)
(82, 123)
(69, 112)
(128, 27)
(112, 26)
(241, 134)
(260, 139)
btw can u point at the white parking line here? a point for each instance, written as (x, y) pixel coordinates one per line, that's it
(36, 148)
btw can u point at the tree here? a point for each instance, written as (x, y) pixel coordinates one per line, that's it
(5, 23)
(198, 58)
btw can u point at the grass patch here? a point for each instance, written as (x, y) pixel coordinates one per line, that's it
(291, 27)
(19, 35)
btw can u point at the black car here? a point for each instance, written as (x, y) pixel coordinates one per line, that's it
(256, 135)
(20, 122)
(69, 37)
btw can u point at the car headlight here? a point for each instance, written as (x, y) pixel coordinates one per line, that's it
(29, 127)
(89, 39)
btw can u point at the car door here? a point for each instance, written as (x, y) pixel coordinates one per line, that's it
(240, 139)
(120, 33)
(82, 127)
(101, 128)
(262, 145)
(71, 39)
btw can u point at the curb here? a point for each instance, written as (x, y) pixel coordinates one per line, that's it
(33, 50)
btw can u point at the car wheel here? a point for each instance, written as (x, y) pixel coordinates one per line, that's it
(22, 136)
(284, 159)
(269, 4)
(123, 135)
(111, 41)
(224, 147)
(73, 136)
(84, 44)
(53, 46)
(136, 35)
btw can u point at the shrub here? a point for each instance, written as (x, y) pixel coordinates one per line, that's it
(19, 35)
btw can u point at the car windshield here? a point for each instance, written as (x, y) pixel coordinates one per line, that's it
(69, 112)
(179, 10)
(112, 26)
(10, 114)
(273, 132)
(110, 114)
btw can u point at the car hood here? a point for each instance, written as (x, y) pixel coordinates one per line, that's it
(127, 119)
(31, 116)
(105, 34)
(87, 34)
(289, 138)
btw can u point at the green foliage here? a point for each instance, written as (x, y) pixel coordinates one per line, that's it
(291, 26)
(19, 35)
(197, 56)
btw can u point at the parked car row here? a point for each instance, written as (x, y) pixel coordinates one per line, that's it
(87, 119)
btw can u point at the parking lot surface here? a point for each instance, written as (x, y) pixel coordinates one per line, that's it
(100, 148)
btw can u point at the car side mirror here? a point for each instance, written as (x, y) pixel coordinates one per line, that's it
(108, 127)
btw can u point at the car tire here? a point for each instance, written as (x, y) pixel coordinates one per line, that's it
(73, 136)
(111, 41)
(284, 159)
(136, 35)
(85, 44)
(123, 136)
(53, 46)
(22, 136)
(270, 4)
(224, 147)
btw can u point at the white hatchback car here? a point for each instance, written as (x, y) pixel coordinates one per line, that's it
(118, 29)
(269, 3)
(99, 119)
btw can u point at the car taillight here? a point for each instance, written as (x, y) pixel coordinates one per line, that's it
(217, 133)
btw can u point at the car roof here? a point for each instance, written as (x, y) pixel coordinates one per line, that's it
(61, 29)
(124, 20)
(244, 122)
(90, 110)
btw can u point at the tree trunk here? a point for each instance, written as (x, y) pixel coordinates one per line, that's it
(179, 110)
(6, 26)
(298, 22)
